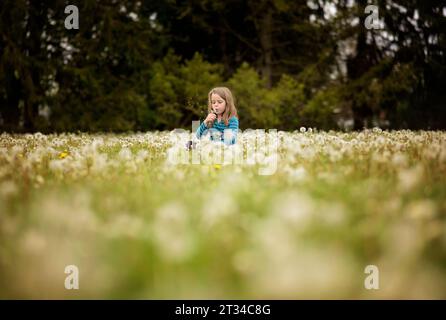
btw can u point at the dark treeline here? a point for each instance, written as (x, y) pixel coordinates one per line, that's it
(146, 65)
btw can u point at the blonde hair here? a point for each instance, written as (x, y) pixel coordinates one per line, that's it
(225, 94)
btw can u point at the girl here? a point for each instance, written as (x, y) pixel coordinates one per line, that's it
(222, 120)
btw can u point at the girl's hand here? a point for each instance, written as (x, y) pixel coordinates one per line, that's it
(210, 119)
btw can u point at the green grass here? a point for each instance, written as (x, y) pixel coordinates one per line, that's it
(137, 227)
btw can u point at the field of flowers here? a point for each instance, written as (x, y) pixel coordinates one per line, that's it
(138, 226)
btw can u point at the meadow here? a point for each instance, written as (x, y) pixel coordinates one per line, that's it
(138, 226)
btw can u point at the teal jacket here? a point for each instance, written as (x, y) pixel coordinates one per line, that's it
(218, 129)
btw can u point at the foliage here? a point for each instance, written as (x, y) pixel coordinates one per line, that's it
(140, 65)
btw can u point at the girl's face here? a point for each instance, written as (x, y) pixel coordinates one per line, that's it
(218, 103)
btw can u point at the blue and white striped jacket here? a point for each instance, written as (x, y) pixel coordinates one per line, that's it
(217, 131)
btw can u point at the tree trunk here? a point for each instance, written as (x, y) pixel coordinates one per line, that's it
(357, 66)
(224, 50)
(266, 25)
(32, 79)
(9, 107)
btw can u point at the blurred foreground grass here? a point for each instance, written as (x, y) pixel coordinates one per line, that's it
(139, 227)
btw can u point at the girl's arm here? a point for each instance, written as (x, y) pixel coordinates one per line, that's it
(201, 129)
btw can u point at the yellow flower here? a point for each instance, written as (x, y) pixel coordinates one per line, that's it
(63, 155)
(217, 166)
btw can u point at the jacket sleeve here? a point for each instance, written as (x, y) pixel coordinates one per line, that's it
(201, 130)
